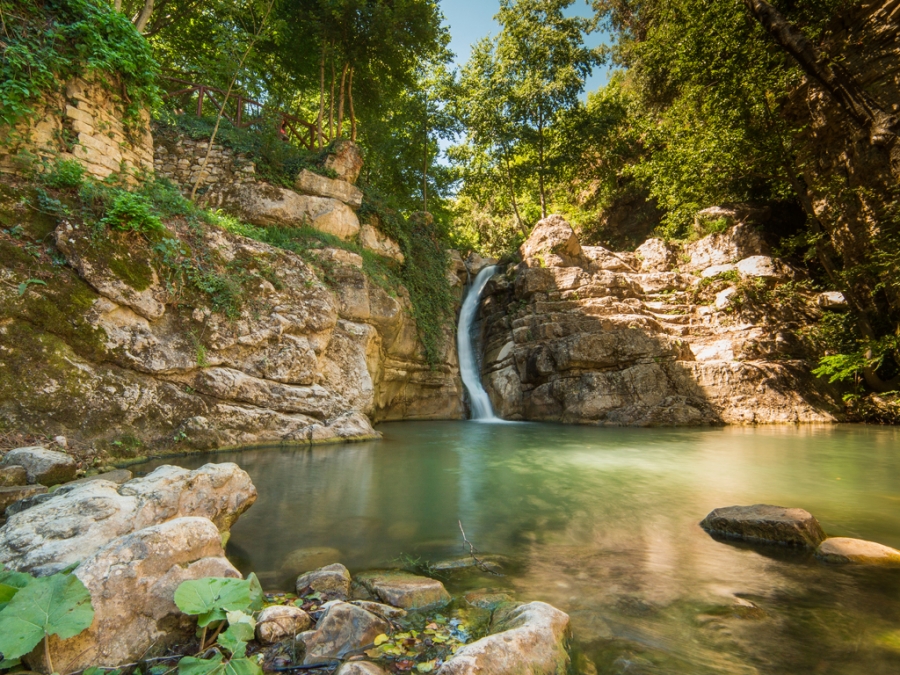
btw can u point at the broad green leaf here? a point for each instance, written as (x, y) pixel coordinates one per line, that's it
(242, 666)
(231, 641)
(209, 599)
(10, 584)
(7, 664)
(190, 665)
(257, 596)
(56, 605)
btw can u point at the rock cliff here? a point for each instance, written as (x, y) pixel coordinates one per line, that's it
(712, 333)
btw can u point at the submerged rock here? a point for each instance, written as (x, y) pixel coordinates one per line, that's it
(343, 629)
(331, 582)
(281, 622)
(766, 524)
(43, 466)
(530, 639)
(132, 581)
(384, 611)
(842, 550)
(73, 526)
(402, 589)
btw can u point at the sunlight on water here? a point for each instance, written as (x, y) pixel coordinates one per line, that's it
(603, 523)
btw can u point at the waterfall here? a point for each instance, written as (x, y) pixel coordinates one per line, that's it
(468, 362)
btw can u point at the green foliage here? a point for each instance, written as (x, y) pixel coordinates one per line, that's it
(132, 212)
(211, 599)
(32, 609)
(49, 43)
(66, 173)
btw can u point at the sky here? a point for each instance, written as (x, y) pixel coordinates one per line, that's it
(471, 20)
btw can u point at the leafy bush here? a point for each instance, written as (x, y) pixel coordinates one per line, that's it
(132, 212)
(66, 173)
(53, 41)
(32, 609)
(222, 601)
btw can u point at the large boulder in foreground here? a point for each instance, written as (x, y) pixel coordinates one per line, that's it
(844, 551)
(43, 466)
(530, 639)
(343, 629)
(405, 590)
(132, 582)
(766, 524)
(74, 526)
(552, 243)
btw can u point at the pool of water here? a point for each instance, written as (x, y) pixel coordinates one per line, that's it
(603, 523)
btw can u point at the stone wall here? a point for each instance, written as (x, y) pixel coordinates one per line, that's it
(86, 124)
(180, 159)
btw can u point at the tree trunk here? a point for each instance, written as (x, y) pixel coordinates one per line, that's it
(512, 194)
(140, 23)
(425, 157)
(352, 111)
(831, 76)
(340, 122)
(541, 168)
(321, 97)
(331, 103)
(118, 5)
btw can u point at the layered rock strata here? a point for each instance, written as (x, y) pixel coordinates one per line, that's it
(708, 334)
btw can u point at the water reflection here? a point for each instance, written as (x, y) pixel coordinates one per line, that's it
(603, 523)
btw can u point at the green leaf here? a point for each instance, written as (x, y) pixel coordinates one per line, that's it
(10, 584)
(257, 596)
(209, 599)
(7, 664)
(242, 666)
(56, 605)
(25, 284)
(190, 665)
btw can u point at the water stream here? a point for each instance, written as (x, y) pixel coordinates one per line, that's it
(603, 523)
(469, 369)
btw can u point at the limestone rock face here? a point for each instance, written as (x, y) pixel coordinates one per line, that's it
(344, 628)
(132, 581)
(529, 639)
(264, 205)
(405, 590)
(72, 526)
(587, 336)
(842, 550)
(43, 466)
(372, 239)
(331, 582)
(766, 524)
(281, 622)
(313, 184)
(552, 244)
(345, 160)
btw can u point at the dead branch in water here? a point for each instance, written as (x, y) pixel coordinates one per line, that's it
(480, 564)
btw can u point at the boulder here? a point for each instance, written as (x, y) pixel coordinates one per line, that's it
(552, 243)
(43, 466)
(343, 629)
(405, 590)
(266, 205)
(530, 639)
(331, 582)
(487, 598)
(132, 581)
(842, 550)
(766, 524)
(360, 668)
(457, 273)
(716, 270)
(725, 298)
(386, 612)
(475, 263)
(739, 242)
(604, 259)
(313, 184)
(372, 239)
(655, 256)
(119, 477)
(345, 160)
(73, 526)
(763, 267)
(281, 622)
(832, 300)
(13, 476)
(11, 495)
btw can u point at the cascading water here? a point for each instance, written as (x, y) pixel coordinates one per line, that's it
(468, 362)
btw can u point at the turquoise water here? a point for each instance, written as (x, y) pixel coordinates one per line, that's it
(603, 523)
